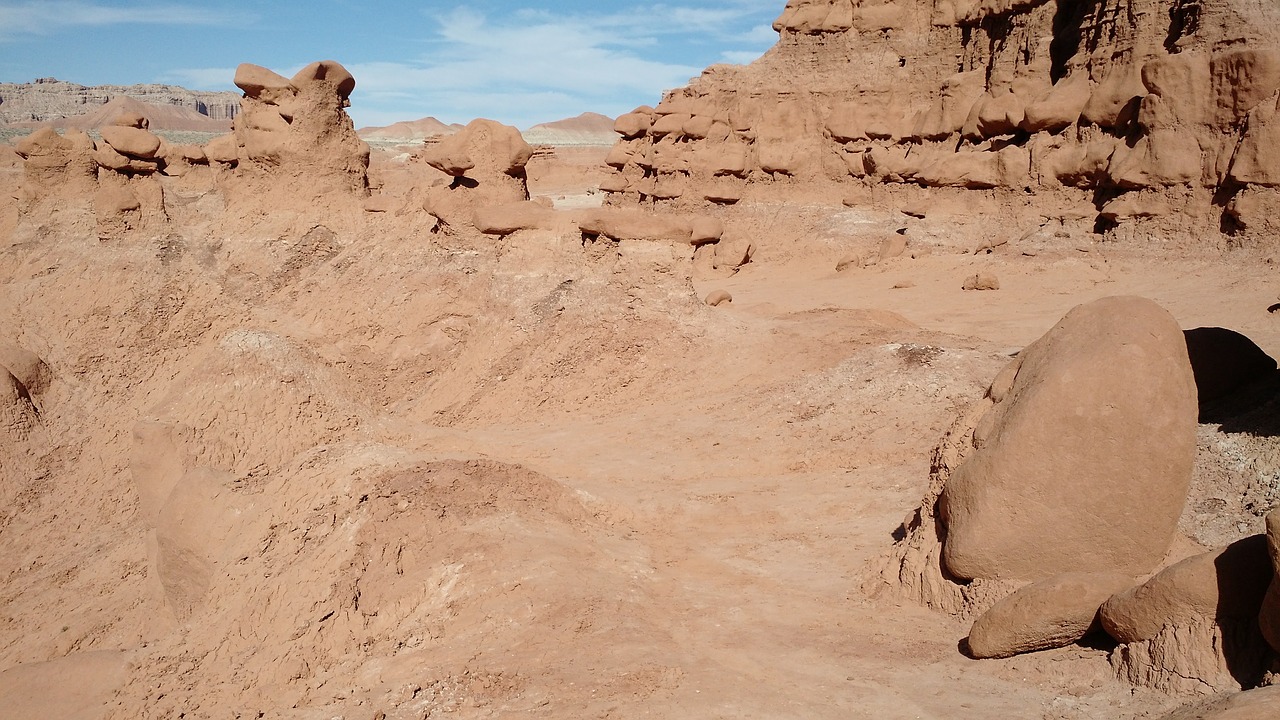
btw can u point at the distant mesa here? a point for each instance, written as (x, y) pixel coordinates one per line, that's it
(49, 101)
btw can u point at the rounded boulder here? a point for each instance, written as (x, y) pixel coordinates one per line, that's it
(1085, 464)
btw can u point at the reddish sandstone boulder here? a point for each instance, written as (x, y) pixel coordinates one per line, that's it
(133, 141)
(1085, 464)
(1046, 614)
(1221, 585)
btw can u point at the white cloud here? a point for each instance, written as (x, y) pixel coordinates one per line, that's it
(534, 66)
(50, 16)
(739, 57)
(202, 78)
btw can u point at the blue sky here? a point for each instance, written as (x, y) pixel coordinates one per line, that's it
(518, 62)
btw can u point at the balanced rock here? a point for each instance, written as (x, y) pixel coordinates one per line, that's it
(296, 128)
(1084, 465)
(487, 161)
(128, 140)
(1046, 614)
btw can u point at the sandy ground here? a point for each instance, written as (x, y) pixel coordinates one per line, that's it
(523, 479)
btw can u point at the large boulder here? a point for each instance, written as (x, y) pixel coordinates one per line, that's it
(132, 141)
(1046, 614)
(1084, 464)
(1194, 625)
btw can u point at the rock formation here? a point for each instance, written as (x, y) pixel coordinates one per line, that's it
(1046, 614)
(1067, 481)
(1083, 462)
(1145, 108)
(57, 165)
(485, 162)
(293, 134)
(1194, 625)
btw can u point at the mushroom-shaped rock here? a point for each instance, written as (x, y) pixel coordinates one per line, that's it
(632, 125)
(262, 84)
(298, 129)
(327, 71)
(451, 159)
(1046, 614)
(129, 140)
(486, 145)
(1085, 463)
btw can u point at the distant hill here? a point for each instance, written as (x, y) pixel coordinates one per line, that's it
(52, 101)
(586, 129)
(409, 130)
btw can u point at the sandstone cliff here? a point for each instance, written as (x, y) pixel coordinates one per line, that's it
(1154, 109)
(49, 99)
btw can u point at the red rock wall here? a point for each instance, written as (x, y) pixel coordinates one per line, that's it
(1147, 107)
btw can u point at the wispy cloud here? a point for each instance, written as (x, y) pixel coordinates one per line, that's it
(537, 66)
(46, 17)
(533, 66)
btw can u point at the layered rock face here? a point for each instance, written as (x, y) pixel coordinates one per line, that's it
(50, 99)
(1152, 107)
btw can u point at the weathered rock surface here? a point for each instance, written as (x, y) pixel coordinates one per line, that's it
(1194, 626)
(293, 135)
(1151, 96)
(1084, 464)
(486, 160)
(1256, 704)
(1045, 614)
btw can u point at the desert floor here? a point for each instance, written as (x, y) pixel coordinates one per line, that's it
(687, 502)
